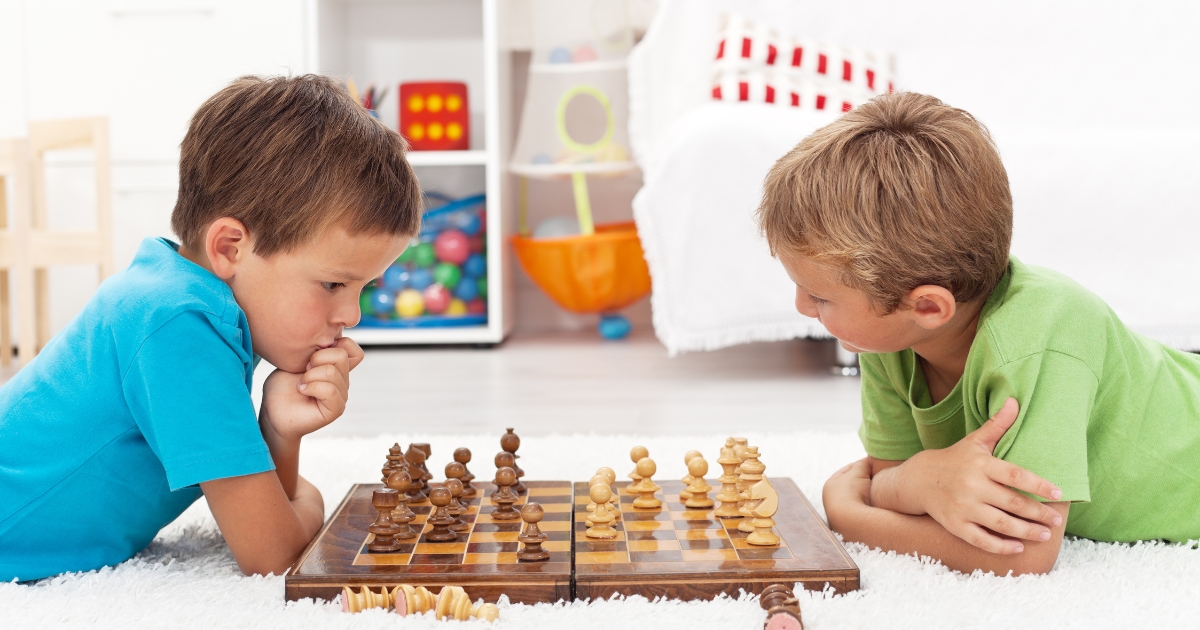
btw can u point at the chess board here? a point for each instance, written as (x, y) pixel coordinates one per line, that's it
(672, 551)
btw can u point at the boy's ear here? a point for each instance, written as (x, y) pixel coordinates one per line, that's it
(931, 305)
(227, 243)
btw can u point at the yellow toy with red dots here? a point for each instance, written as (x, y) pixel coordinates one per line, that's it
(434, 115)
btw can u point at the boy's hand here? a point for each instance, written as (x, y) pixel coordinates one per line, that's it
(970, 492)
(298, 404)
(848, 487)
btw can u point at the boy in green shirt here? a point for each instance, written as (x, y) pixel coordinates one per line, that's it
(1003, 404)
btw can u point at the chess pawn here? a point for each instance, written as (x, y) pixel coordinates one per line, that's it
(410, 600)
(455, 470)
(504, 459)
(752, 472)
(463, 456)
(766, 502)
(610, 477)
(646, 487)
(401, 515)
(609, 474)
(440, 519)
(510, 442)
(783, 610)
(601, 520)
(612, 503)
(366, 598)
(456, 508)
(505, 497)
(729, 494)
(684, 495)
(384, 528)
(637, 454)
(532, 537)
(699, 488)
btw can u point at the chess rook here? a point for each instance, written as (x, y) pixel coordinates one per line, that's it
(463, 456)
(384, 528)
(504, 498)
(510, 442)
(532, 538)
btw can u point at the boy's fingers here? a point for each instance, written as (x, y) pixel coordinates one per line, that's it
(990, 433)
(979, 537)
(1002, 522)
(353, 351)
(1014, 476)
(1022, 506)
(321, 390)
(331, 356)
(324, 374)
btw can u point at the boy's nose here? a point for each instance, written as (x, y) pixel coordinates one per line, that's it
(347, 313)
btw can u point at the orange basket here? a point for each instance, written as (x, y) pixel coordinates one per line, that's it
(594, 273)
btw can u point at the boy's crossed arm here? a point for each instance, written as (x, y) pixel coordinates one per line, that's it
(955, 504)
(268, 518)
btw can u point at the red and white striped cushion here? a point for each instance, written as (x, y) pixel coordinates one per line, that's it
(755, 63)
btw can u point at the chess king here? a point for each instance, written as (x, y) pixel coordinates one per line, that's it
(291, 199)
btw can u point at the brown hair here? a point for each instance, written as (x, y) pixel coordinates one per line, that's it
(902, 191)
(288, 157)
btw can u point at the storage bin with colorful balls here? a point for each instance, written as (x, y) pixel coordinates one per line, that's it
(441, 279)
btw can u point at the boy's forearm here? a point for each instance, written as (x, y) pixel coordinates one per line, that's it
(285, 452)
(309, 506)
(887, 492)
(922, 535)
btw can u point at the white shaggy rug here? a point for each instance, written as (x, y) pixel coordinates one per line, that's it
(187, 577)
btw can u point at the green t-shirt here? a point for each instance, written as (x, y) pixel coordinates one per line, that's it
(1110, 416)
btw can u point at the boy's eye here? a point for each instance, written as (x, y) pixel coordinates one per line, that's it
(332, 286)
(815, 299)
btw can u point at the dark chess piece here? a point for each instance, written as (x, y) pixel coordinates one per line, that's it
(533, 536)
(505, 497)
(463, 456)
(504, 459)
(440, 519)
(401, 515)
(395, 461)
(384, 528)
(418, 473)
(783, 609)
(456, 508)
(510, 442)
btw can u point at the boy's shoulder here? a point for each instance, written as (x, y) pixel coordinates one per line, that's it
(1035, 309)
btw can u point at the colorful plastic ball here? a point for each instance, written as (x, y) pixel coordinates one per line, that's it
(423, 255)
(478, 244)
(447, 274)
(407, 255)
(420, 278)
(541, 158)
(614, 327)
(471, 225)
(456, 308)
(476, 307)
(395, 278)
(410, 304)
(482, 282)
(475, 266)
(584, 54)
(466, 291)
(364, 300)
(437, 299)
(560, 55)
(452, 246)
(382, 301)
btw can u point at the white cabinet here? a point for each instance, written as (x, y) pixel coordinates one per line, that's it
(386, 42)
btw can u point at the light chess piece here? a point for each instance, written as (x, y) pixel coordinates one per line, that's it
(401, 514)
(456, 508)
(504, 498)
(752, 472)
(766, 503)
(699, 488)
(532, 537)
(412, 600)
(365, 598)
(503, 459)
(591, 507)
(684, 495)
(384, 528)
(454, 603)
(510, 442)
(646, 488)
(600, 518)
(463, 456)
(728, 496)
(610, 477)
(636, 454)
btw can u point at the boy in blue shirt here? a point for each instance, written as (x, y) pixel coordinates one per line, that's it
(291, 199)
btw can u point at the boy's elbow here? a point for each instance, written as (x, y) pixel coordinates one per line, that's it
(264, 566)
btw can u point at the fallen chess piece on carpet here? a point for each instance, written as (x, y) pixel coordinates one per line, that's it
(452, 602)
(783, 609)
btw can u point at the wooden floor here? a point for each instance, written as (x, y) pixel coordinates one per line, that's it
(575, 382)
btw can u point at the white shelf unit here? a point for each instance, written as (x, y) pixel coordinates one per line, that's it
(386, 42)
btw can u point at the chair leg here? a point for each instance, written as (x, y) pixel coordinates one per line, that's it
(6, 347)
(41, 279)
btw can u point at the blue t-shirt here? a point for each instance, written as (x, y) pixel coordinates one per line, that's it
(106, 434)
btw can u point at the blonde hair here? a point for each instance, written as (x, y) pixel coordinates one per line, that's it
(900, 192)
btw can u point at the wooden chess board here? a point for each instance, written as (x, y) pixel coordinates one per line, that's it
(672, 551)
